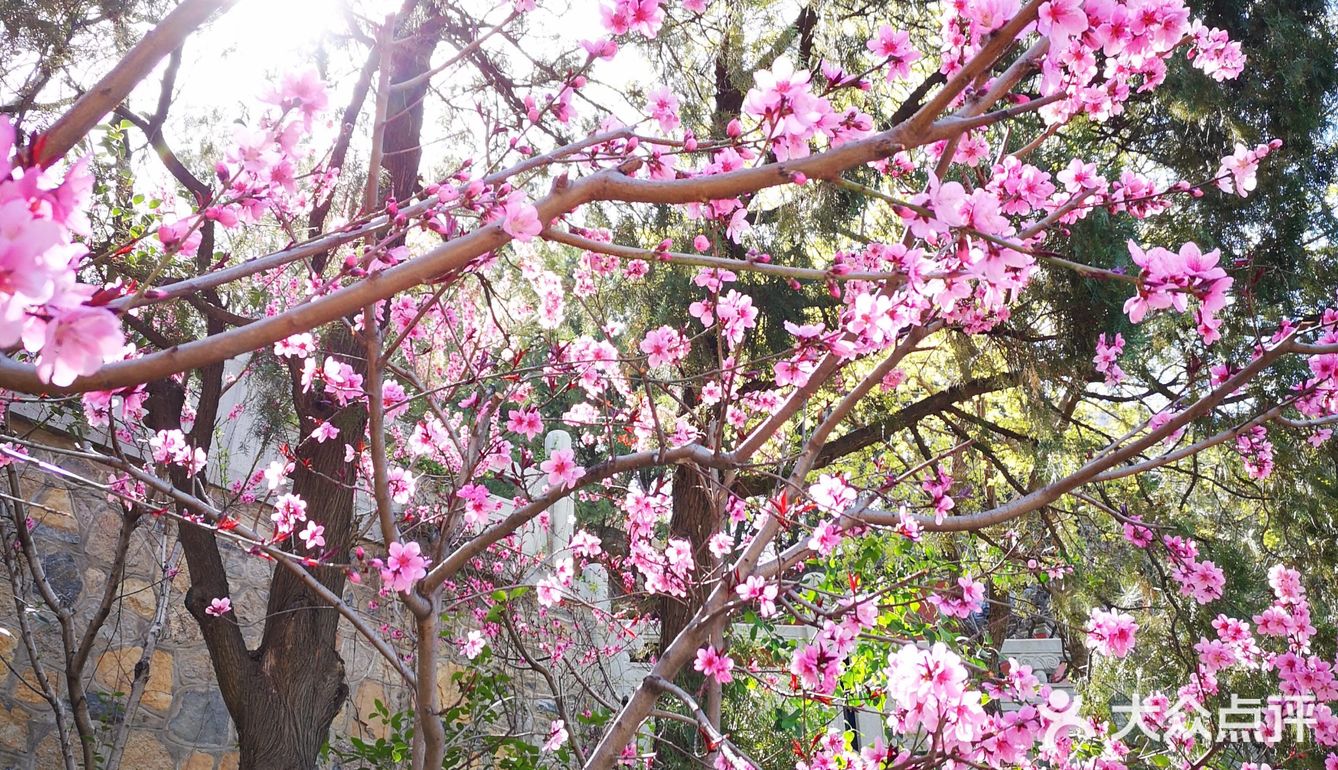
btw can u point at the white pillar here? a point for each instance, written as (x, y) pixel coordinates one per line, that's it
(562, 514)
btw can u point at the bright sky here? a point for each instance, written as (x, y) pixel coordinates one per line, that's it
(230, 63)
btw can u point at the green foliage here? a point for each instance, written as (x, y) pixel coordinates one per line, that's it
(473, 721)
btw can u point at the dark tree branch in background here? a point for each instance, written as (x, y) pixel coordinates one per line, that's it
(868, 435)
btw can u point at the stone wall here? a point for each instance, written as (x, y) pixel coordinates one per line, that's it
(181, 721)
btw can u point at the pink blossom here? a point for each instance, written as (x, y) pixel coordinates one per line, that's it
(1111, 632)
(324, 432)
(181, 236)
(557, 736)
(663, 107)
(313, 536)
(298, 345)
(927, 692)
(562, 469)
(525, 421)
(1203, 581)
(714, 664)
(74, 342)
(472, 646)
(1106, 354)
(664, 346)
(895, 47)
(405, 565)
(304, 90)
(520, 219)
(219, 606)
(1238, 170)
(967, 600)
(479, 505)
(790, 114)
(825, 538)
(756, 588)
(1169, 279)
(585, 544)
(289, 510)
(1256, 452)
(548, 591)
(1138, 535)
(276, 473)
(401, 484)
(1061, 20)
(643, 16)
(1080, 175)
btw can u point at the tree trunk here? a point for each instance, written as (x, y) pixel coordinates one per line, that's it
(298, 684)
(695, 518)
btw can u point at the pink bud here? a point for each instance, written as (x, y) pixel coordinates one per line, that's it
(701, 243)
(798, 178)
(690, 142)
(734, 129)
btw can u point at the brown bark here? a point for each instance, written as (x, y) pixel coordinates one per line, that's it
(412, 57)
(695, 518)
(298, 684)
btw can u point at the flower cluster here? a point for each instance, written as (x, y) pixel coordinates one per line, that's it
(1170, 279)
(171, 448)
(1256, 452)
(404, 566)
(1106, 355)
(1238, 170)
(965, 601)
(1111, 632)
(42, 302)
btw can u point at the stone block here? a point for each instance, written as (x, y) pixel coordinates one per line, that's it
(192, 663)
(143, 751)
(447, 688)
(9, 642)
(140, 597)
(201, 719)
(28, 690)
(364, 705)
(48, 753)
(65, 576)
(116, 671)
(14, 729)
